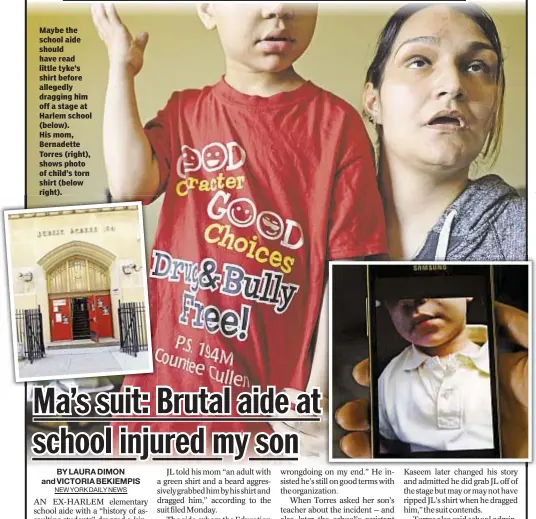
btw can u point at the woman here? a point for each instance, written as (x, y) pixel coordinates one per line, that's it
(435, 91)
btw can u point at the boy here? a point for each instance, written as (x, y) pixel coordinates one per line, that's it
(266, 177)
(436, 394)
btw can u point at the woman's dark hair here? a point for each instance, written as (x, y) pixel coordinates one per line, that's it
(487, 25)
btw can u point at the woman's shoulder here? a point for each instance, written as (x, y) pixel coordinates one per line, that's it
(487, 222)
(492, 220)
(494, 182)
(489, 199)
(507, 205)
(510, 226)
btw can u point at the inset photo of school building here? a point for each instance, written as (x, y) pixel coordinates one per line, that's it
(78, 291)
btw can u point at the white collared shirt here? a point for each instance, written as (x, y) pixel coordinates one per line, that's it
(435, 403)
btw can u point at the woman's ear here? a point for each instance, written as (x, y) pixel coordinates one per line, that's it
(372, 104)
(205, 11)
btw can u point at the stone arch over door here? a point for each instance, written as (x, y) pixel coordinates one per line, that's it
(76, 248)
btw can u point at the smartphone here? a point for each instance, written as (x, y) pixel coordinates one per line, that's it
(433, 361)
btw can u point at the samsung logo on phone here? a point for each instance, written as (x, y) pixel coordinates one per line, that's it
(417, 268)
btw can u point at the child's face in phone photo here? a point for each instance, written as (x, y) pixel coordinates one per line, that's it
(429, 322)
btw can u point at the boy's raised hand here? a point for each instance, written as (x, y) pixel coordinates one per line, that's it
(124, 51)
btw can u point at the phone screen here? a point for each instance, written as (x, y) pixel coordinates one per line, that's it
(432, 361)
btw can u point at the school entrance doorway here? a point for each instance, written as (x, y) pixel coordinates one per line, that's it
(79, 301)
